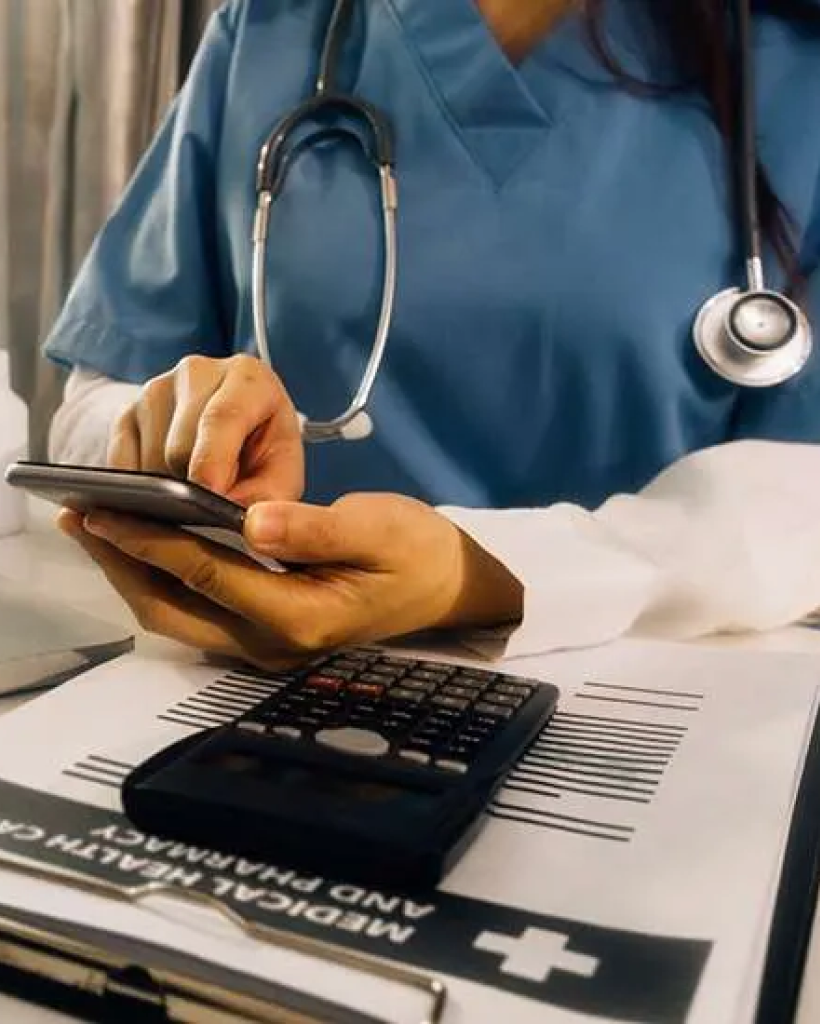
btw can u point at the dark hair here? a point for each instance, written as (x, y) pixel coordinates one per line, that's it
(698, 35)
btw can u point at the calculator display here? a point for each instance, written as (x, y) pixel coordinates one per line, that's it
(302, 782)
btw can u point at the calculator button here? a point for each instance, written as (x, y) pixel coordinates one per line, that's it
(458, 691)
(494, 697)
(474, 684)
(407, 714)
(390, 732)
(425, 744)
(328, 683)
(332, 672)
(426, 675)
(494, 710)
(441, 722)
(460, 752)
(443, 718)
(283, 677)
(419, 756)
(329, 704)
(370, 677)
(293, 697)
(410, 683)
(310, 721)
(363, 742)
(485, 731)
(409, 696)
(399, 664)
(365, 704)
(434, 735)
(361, 657)
(345, 665)
(402, 725)
(513, 690)
(448, 715)
(256, 727)
(452, 766)
(475, 736)
(286, 732)
(452, 703)
(365, 689)
(287, 700)
(394, 732)
(363, 721)
(386, 672)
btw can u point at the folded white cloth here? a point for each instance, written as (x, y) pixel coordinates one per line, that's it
(727, 539)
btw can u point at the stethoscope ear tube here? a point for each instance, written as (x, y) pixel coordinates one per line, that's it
(279, 151)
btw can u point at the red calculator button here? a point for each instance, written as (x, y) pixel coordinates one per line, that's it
(327, 683)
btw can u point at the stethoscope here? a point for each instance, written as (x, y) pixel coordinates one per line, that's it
(751, 336)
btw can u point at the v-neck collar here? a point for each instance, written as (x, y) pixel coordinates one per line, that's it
(472, 76)
(485, 94)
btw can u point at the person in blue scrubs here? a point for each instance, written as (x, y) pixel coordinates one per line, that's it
(559, 227)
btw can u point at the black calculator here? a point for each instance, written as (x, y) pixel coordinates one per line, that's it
(364, 766)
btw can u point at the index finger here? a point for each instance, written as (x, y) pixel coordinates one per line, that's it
(245, 401)
(123, 450)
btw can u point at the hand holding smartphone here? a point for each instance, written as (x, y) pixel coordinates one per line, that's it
(160, 499)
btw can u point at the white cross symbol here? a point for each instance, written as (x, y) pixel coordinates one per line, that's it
(535, 954)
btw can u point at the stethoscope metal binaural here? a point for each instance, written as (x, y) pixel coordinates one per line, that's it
(751, 336)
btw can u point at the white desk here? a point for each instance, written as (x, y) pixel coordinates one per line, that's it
(44, 559)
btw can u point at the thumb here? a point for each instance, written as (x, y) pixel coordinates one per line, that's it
(314, 535)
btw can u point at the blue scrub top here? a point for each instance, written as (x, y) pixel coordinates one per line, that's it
(556, 237)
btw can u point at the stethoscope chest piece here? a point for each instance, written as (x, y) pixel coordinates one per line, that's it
(754, 339)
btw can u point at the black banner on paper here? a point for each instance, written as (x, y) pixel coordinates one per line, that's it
(556, 961)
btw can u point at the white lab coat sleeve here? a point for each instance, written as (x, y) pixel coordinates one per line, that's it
(725, 540)
(81, 426)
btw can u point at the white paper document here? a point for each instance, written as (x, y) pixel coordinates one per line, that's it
(626, 872)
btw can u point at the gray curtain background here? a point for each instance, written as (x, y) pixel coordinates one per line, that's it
(83, 84)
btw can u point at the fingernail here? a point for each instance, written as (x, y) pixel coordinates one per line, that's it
(70, 522)
(264, 525)
(207, 474)
(96, 524)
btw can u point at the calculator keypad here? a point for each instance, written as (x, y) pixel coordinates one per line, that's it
(373, 705)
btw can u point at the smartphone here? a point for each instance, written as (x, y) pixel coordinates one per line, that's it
(162, 499)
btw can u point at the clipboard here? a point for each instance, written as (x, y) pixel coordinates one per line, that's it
(91, 981)
(445, 942)
(94, 977)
